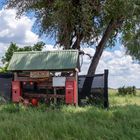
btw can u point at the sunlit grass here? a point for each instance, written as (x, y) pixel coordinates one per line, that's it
(120, 122)
(116, 100)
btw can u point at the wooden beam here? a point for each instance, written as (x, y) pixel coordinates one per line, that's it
(36, 95)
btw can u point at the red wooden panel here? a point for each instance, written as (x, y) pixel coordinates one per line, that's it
(16, 91)
(71, 92)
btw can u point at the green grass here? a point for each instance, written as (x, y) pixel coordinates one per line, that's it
(116, 100)
(120, 122)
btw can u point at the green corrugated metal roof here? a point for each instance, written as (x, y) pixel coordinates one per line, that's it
(50, 60)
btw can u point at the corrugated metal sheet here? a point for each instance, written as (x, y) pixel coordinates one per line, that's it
(50, 60)
(98, 81)
(6, 85)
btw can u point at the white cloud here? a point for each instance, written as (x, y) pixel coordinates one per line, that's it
(49, 47)
(16, 30)
(122, 69)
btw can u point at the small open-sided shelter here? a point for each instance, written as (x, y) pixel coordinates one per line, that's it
(50, 75)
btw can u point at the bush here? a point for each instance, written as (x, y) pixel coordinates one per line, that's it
(12, 108)
(3, 69)
(131, 90)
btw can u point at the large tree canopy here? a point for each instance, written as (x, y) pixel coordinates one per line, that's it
(95, 22)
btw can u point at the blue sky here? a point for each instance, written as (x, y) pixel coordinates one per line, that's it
(122, 69)
(1, 1)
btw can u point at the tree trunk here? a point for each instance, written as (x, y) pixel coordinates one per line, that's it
(99, 50)
(76, 44)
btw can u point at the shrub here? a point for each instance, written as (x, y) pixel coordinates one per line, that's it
(12, 108)
(131, 90)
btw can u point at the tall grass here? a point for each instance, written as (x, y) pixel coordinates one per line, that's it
(120, 122)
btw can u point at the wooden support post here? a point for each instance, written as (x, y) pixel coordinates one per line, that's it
(76, 78)
(15, 76)
(76, 75)
(55, 98)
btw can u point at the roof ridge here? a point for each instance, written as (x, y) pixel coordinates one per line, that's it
(47, 51)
